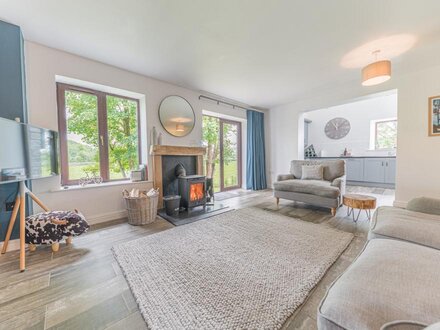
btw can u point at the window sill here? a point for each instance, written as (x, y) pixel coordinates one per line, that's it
(101, 185)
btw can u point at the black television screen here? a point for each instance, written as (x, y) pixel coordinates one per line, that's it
(26, 152)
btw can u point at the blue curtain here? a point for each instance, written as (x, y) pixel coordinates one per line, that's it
(256, 155)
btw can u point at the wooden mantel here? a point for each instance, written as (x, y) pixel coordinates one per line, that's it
(157, 151)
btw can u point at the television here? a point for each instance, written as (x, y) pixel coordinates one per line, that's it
(27, 152)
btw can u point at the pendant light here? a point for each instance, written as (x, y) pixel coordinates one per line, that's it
(376, 72)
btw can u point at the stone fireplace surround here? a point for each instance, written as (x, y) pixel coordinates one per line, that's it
(165, 159)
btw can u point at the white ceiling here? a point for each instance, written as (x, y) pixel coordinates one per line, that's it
(259, 52)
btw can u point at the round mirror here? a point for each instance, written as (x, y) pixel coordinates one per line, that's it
(176, 115)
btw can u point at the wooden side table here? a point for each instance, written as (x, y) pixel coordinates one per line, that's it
(360, 202)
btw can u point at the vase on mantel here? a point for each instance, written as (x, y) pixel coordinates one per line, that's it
(159, 139)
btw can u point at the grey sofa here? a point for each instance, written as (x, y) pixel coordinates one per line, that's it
(325, 193)
(394, 282)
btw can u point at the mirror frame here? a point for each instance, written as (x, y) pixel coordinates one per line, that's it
(193, 113)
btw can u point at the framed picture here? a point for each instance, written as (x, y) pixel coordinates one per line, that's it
(434, 116)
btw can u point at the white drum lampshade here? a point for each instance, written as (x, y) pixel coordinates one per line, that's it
(376, 73)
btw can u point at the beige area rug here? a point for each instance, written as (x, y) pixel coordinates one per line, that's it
(245, 269)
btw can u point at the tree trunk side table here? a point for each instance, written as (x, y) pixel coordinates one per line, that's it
(360, 202)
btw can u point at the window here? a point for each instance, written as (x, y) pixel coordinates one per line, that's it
(222, 138)
(385, 134)
(99, 134)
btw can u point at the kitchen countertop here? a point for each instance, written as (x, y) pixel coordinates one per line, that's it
(344, 157)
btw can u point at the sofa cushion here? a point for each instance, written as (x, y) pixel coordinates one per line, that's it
(390, 281)
(332, 168)
(416, 227)
(424, 205)
(312, 172)
(404, 325)
(312, 187)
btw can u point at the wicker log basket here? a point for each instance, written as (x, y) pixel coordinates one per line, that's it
(141, 206)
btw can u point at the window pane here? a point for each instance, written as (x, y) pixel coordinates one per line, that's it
(230, 155)
(122, 126)
(211, 139)
(82, 134)
(386, 134)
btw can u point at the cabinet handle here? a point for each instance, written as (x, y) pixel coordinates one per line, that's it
(387, 164)
(382, 163)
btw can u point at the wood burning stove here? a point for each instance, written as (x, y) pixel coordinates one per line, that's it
(192, 190)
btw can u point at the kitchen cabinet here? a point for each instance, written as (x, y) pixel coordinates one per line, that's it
(380, 170)
(355, 169)
(374, 170)
(369, 170)
(390, 171)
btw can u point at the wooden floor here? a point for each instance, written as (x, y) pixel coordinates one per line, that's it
(81, 286)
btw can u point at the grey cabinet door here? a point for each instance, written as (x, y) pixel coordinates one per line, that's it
(390, 171)
(374, 170)
(355, 169)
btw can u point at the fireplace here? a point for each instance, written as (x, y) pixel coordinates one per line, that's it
(165, 158)
(192, 189)
(186, 180)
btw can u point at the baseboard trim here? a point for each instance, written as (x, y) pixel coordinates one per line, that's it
(400, 204)
(106, 217)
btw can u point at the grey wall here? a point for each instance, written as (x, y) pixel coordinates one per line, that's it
(12, 102)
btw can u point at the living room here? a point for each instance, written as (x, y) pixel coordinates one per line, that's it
(171, 165)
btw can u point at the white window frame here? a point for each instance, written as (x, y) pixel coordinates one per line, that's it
(373, 125)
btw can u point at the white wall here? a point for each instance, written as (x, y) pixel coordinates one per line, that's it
(418, 157)
(284, 126)
(359, 114)
(42, 65)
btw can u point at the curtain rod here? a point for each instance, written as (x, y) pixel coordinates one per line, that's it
(227, 103)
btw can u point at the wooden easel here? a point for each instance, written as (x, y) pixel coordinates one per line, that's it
(20, 205)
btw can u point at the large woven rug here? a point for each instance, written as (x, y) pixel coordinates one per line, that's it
(245, 269)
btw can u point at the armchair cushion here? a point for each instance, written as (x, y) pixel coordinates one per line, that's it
(283, 177)
(312, 172)
(424, 205)
(313, 187)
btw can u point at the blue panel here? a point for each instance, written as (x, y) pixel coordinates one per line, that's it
(256, 155)
(7, 193)
(11, 69)
(12, 101)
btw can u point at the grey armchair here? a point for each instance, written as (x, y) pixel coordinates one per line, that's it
(326, 193)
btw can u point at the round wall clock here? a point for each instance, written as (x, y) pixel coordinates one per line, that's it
(337, 128)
